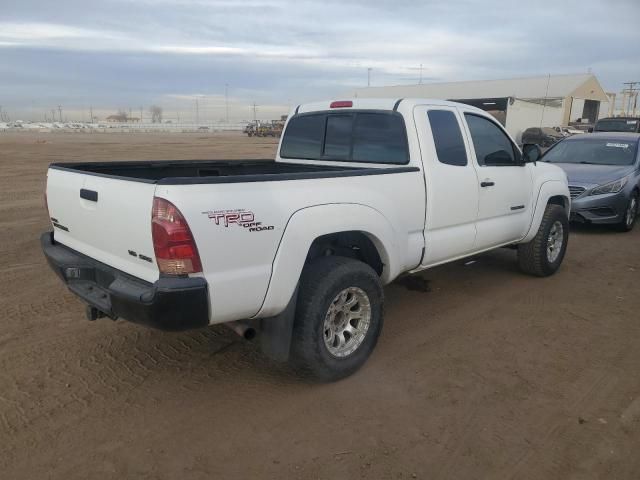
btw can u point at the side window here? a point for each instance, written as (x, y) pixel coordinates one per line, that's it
(337, 142)
(380, 138)
(304, 137)
(492, 146)
(447, 137)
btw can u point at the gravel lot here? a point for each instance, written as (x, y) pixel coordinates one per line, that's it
(481, 372)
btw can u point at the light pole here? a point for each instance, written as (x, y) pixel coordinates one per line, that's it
(369, 76)
(226, 101)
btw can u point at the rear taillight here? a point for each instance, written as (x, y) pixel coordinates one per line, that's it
(46, 203)
(175, 248)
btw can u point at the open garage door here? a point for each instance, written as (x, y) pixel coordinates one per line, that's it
(495, 106)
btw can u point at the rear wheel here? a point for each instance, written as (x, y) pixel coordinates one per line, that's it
(543, 255)
(630, 214)
(338, 317)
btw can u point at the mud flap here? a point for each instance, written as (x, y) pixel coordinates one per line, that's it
(276, 332)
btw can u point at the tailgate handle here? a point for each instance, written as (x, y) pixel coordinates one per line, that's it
(90, 195)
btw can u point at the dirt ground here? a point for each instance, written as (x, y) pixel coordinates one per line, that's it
(481, 372)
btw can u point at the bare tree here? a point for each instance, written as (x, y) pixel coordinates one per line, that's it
(123, 114)
(156, 114)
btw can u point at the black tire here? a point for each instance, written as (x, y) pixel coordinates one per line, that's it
(624, 225)
(321, 281)
(532, 256)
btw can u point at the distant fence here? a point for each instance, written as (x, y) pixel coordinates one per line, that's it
(126, 128)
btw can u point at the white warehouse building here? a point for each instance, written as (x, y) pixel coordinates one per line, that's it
(518, 103)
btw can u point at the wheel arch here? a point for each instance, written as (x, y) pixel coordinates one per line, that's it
(552, 192)
(311, 231)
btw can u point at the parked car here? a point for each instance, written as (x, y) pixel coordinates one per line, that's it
(567, 131)
(604, 176)
(618, 124)
(360, 192)
(545, 136)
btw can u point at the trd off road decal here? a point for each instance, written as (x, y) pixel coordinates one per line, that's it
(239, 217)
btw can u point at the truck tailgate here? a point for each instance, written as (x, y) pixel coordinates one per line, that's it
(107, 219)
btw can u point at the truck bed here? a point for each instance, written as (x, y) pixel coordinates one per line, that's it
(216, 171)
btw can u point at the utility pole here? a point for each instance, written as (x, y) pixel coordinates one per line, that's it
(90, 114)
(197, 111)
(255, 117)
(630, 97)
(60, 112)
(420, 82)
(140, 113)
(226, 101)
(546, 94)
(369, 76)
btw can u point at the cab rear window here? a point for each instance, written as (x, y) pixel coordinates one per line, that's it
(368, 137)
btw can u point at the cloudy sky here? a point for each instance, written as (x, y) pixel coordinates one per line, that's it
(128, 54)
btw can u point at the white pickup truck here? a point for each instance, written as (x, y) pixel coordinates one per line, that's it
(298, 249)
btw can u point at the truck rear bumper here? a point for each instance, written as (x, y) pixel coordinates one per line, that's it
(170, 303)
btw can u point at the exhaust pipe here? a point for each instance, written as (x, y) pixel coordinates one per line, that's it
(243, 329)
(92, 313)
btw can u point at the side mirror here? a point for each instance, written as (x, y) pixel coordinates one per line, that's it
(590, 130)
(531, 153)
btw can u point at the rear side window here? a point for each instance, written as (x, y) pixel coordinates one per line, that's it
(304, 137)
(492, 146)
(380, 138)
(447, 138)
(357, 137)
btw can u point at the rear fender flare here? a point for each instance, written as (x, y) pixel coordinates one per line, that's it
(307, 224)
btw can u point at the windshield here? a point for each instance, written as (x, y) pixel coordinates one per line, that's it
(617, 125)
(593, 151)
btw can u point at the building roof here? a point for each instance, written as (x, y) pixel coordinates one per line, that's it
(584, 86)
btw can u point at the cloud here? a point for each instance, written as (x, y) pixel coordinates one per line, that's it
(276, 52)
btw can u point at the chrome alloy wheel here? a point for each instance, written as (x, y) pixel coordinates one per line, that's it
(554, 241)
(632, 211)
(346, 322)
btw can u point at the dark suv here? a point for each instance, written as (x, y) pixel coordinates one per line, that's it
(545, 137)
(618, 124)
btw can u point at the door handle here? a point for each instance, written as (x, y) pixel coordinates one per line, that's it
(90, 195)
(487, 183)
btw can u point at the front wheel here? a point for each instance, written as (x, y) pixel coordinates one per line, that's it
(338, 317)
(630, 214)
(543, 255)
